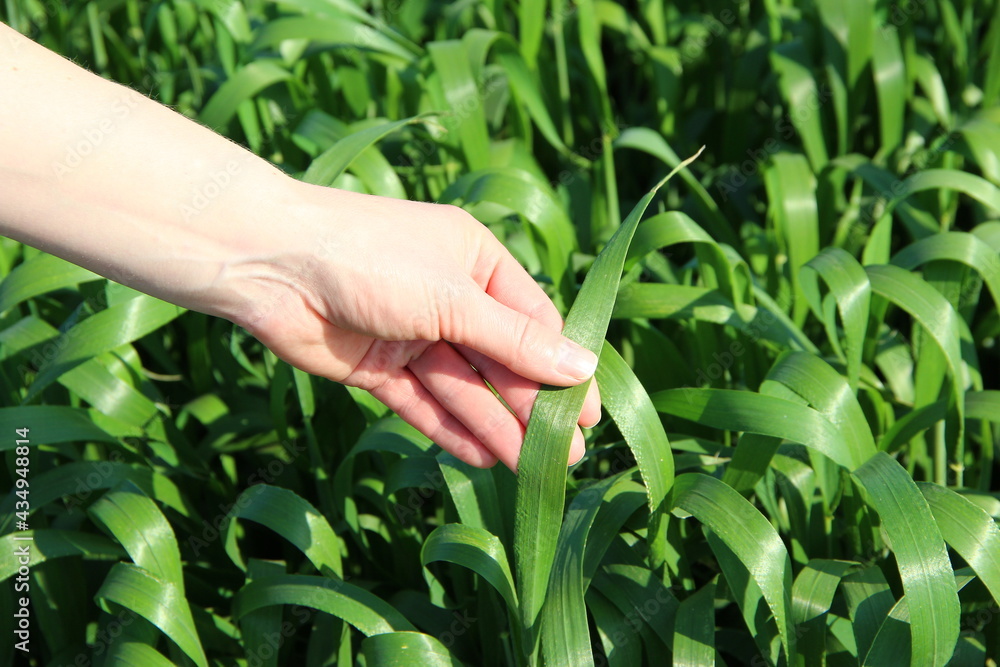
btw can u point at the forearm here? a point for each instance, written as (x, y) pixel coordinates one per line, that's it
(98, 174)
(417, 303)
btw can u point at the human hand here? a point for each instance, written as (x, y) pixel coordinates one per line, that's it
(396, 297)
(409, 300)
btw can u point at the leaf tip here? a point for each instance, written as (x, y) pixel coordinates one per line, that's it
(676, 169)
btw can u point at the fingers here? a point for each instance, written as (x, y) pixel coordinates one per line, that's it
(591, 414)
(518, 341)
(460, 390)
(515, 323)
(411, 400)
(448, 376)
(520, 393)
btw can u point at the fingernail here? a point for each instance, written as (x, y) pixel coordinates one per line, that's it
(578, 443)
(576, 362)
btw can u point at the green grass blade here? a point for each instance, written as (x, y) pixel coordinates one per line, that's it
(921, 555)
(49, 544)
(261, 626)
(531, 18)
(889, 70)
(815, 586)
(527, 90)
(631, 588)
(803, 98)
(958, 247)
(390, 434)
(750, 536)
(912, 424)
(662, 301)
(949, 331)
(474, 492)
(615, 632)
(632, 411)
(670, 228)
(40, 275)
(869, 601)
(930, 81)
(240, 88)
(565, 633)
(79, 480)
(329, 31)
(976, 187)
(475, 549)
(158, 601)
(401, 649)
(848, 284)
(826, 390)
(834, 16)
(750, 461)
(136, 654)
(293, 518)
(102, 332)
(52, 424)
(680, 302)
(462, 93)
(652, 142)
(893, 643)
(968, 530)
(791, 187)
(139, 526)
(368, 613)
(694, 629)
(982, 139)
(605, 532)
(325, 169)
(732, 410)
(542, 463)
(319, 131)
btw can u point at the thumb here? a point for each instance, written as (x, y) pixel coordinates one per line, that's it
(521, 343)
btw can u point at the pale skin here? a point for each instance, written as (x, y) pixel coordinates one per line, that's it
(417, 303)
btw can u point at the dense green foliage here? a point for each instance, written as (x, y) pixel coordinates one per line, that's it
(798, 461)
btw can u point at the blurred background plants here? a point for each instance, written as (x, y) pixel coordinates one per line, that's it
(807, 315)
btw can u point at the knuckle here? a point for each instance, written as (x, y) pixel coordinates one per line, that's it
(526, 332)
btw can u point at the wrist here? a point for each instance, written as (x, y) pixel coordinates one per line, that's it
(267, 242)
